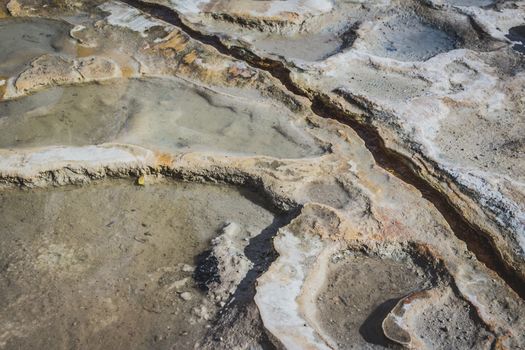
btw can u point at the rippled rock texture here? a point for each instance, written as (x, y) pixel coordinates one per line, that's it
(245, 174)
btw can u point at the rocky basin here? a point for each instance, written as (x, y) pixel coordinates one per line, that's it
(103, 270)
(262, 174)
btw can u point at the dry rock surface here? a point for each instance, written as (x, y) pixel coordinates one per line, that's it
(315, 174)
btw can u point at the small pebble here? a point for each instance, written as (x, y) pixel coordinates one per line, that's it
(186, 296)
(187, 268)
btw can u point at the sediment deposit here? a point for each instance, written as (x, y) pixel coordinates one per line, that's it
(246, 174)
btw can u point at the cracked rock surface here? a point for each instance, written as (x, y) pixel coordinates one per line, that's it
(212, 174)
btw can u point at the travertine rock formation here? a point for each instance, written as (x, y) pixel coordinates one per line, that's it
(363, 160)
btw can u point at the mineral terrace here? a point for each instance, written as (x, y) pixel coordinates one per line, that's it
(246, 174)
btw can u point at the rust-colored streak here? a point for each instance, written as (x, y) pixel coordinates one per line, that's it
(164, 159)
(85, 51)
(174, 41)
(3, 86)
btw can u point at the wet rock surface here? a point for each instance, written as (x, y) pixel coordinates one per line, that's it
(26, 39)
(261, 174)
(164, 113)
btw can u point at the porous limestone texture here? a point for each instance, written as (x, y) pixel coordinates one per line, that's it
(262, 174)
(441, 82)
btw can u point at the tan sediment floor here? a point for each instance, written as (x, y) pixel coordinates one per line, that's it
(359, 291)
(110, 265)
